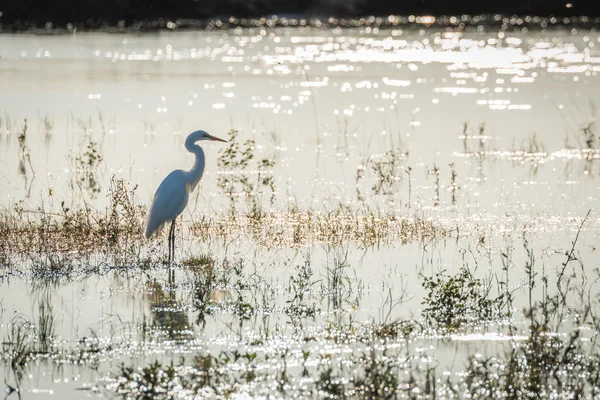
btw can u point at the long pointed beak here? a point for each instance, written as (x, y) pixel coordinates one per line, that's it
(217, 139)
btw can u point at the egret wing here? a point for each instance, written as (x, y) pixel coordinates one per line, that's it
(169, 201)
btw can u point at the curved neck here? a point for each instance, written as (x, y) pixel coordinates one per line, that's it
(195, 173)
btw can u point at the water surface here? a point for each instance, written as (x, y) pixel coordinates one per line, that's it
(489, 135)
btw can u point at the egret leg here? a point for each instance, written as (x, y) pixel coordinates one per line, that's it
(169, 241)
(172, 255)
(172, 242)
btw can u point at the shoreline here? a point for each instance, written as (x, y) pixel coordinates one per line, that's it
(481, 23)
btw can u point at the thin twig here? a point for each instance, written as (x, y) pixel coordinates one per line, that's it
(570, 257)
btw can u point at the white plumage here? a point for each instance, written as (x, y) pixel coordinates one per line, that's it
(172, 195)
(169, 201)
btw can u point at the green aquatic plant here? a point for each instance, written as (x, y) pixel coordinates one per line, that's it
(201, 262)
(328, 382)
(379, 376)
(235, 165)
(242, 307)
(124, 218)
(300, 286)
(236, 157)
(545, 356)
(151, 382)
(87, 165)
(452, 301)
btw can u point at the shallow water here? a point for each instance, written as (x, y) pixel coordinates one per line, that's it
(352, 118)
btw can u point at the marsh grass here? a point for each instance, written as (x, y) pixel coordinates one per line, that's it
(18, 344)
(297, 228)
(200, 263)
(301, 303)
(25, 340)
(53, 241)
(557, 356)
(56, 242)
(549, 352)
(338, 281)
(46, 326)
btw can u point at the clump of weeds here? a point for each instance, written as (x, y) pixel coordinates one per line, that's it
(46, 325)
(387, 170)
(123, 223)
(18, 345)
(454, 301)
(24, 340)
(236, 166)
(51, 239)
(151, 382)
(207, 377)
(300, 287)
(87, 165)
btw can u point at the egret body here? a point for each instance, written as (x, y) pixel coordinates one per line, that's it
(172, 195)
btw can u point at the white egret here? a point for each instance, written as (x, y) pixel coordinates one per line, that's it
(172, 195)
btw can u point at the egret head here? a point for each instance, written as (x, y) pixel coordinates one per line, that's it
(200, 135)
